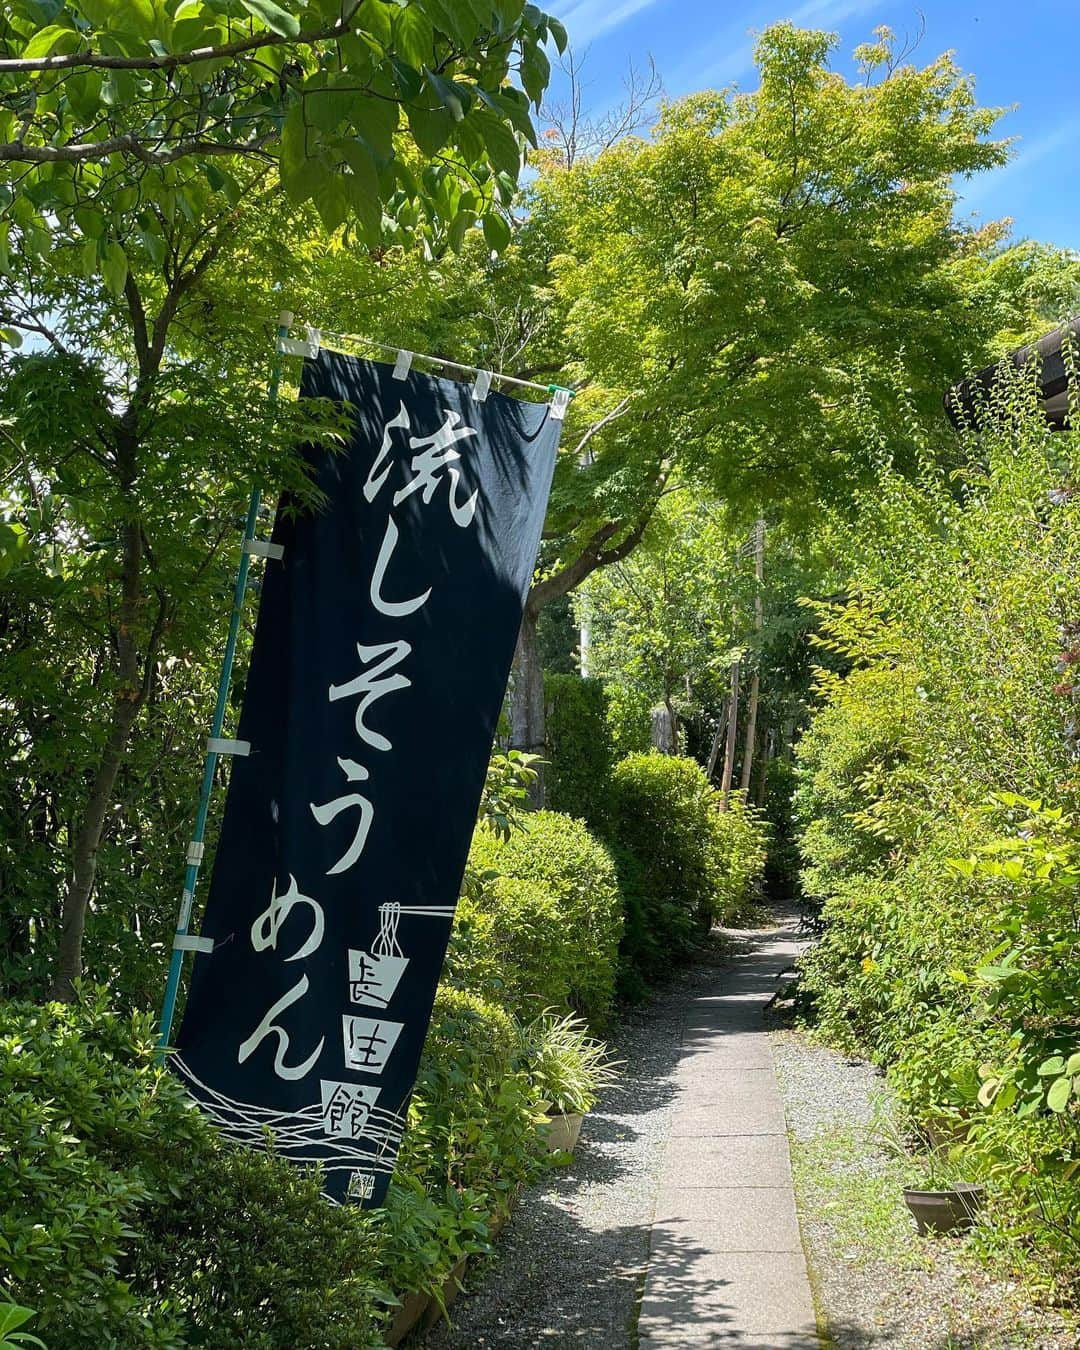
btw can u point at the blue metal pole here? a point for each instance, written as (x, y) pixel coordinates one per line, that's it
(195, 849)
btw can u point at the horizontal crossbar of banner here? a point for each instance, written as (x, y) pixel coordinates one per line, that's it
(317, 336)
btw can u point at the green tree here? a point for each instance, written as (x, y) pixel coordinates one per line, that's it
(142, 147)
(116, 113)
(745, 287)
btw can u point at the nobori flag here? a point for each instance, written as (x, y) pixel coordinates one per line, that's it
(382, 650)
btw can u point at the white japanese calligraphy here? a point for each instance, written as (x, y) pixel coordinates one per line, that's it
(324, 814)
(375, 478)
(436, 454)
(267, 1027)
(264, 931)
(396, 609)
(374, 683)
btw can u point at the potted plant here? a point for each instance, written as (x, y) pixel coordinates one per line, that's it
(568, 1069)
(941, 1206)
(938, 1188)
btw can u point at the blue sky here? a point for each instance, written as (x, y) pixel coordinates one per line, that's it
(1025, 58)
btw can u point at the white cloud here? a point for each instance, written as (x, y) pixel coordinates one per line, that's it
(588, 19)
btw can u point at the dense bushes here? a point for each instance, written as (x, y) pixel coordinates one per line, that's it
(574, 941)
(578, 747)
(126, 1221)
(951, 940)
(684, 864)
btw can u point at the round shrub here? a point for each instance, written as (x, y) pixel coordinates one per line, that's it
(126, 1221)
(509, 944)
(579, 875)
(472, 1119)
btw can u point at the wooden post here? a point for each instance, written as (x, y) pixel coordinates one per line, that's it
(755, 683)
(729, 749)
(718, 740)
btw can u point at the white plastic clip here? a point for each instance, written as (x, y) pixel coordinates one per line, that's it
(482, 386)
(216, 745)
(186, 901)
(560, 401)
(403, 364)
(189, 942)
(195, 854)
(262, 548)
(294, 347)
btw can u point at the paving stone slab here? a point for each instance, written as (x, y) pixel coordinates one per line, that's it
(726, 1265)
(731, 1340)
(723, 1085)
(728, 1218)
(724, 1118)
(728, 1160)
(692, 1292)
(730, 1052)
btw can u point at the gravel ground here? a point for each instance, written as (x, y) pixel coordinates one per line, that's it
(569, 1266)
(877, 1282)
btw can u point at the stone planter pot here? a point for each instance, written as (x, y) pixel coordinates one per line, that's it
(413, 1307)
(562, 1131)
(450, 1290)
(948, 1211)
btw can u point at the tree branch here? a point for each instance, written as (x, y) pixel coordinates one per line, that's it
(593, 556)
(171, 60)
(131, 144)
(620, 409)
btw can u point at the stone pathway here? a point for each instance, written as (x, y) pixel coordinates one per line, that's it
(675, 1224)
(726, 1264)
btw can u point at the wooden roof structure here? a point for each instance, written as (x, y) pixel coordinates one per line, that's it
(965, 402)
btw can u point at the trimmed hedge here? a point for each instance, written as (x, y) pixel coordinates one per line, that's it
(579, 748)
(509, 944)
(580, 938)
(125, 1221)
(684, 864)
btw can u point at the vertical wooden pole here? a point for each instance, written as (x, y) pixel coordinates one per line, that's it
(732, 730)
(755, 683)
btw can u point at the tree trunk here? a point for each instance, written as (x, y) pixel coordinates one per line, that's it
(131, 692)
(729, 749)
(527, 729)
(750, 738)
(584, 642)
(527, 711)
(68, 966)
(663, 734)
(717, 741)
(755, 683)
(763, 769)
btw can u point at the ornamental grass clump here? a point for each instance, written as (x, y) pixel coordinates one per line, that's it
(566, 1066)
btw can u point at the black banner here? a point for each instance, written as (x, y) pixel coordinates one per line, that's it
(381, 655)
